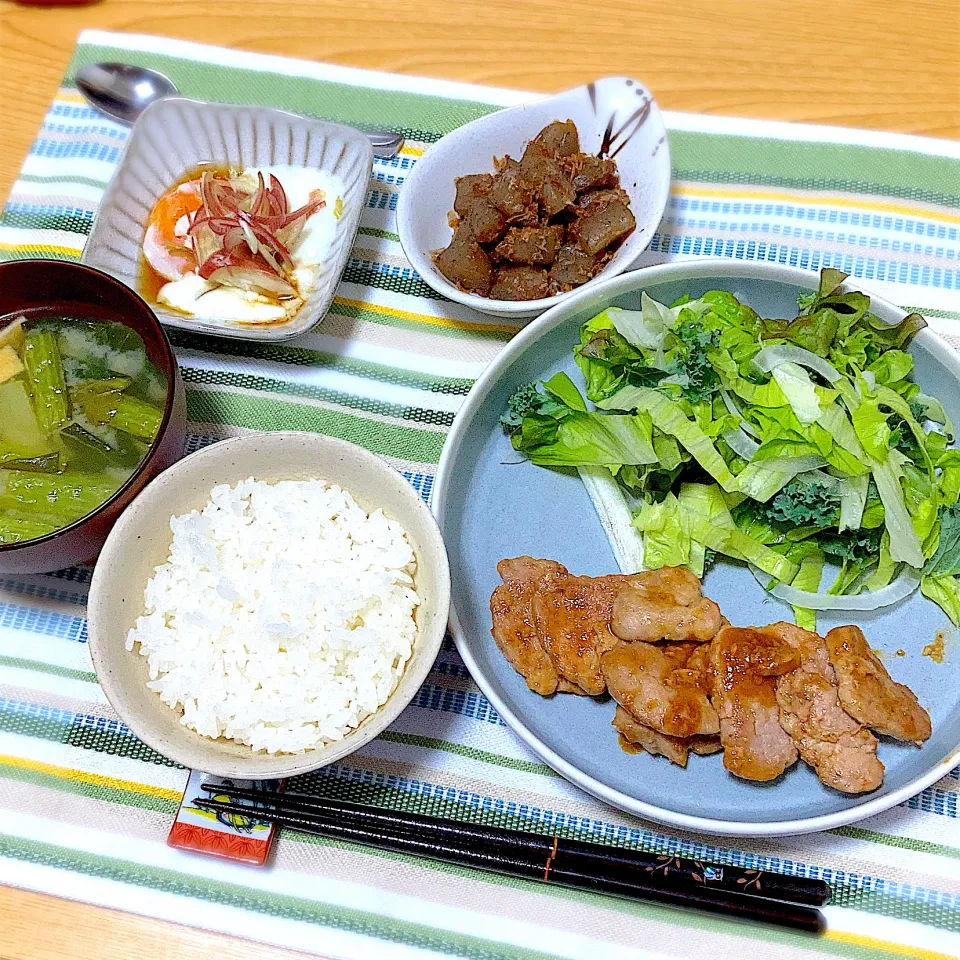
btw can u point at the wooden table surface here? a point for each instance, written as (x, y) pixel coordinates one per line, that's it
(880, 64)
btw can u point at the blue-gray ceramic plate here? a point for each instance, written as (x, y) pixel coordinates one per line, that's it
(491, 506)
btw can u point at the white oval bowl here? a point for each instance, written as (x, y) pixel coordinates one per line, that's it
(140, 541)
(643, 161)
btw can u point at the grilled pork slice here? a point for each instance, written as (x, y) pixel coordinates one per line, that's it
(841, 751)
(868, 693)
(675, 749)
(648, 683)
(745, 662)
(514, 630)
(665, 604)
(572, 615)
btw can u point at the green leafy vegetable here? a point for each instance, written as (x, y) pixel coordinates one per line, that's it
(946, 560)
(945, 592)
(785, 443)
(805, 501)
(669, 417)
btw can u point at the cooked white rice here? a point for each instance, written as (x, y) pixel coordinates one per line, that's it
(283, 617)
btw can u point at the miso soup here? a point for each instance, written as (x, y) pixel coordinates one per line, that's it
(80, 407)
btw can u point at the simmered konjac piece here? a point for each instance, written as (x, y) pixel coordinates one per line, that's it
(80, 404)
(687, 682)
(537, 226)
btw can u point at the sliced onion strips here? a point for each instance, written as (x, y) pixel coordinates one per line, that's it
(904, 584)
(741, 444)
(770, 357)
(732, 407)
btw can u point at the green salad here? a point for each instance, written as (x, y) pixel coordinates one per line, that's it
(795, 445)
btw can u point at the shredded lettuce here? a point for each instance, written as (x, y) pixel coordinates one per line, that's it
(853, 500)
(701, 428)
(668, 416)
(610, 502)
(808, 577)
(799, 390)
(705, 517)
(945, 593)
(665, 542)
(904, 542)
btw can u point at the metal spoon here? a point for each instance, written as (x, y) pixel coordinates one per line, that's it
(123, 92)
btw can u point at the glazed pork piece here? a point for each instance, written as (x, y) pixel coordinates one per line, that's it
(514, 629)
(572, 615)
(840, 750)
(869, 694)
(657, 692)
(675, 749)
(746, 662)
(548, 222)
(665, 604)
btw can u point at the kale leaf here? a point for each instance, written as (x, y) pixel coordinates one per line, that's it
(805, 502)
(698, 380)
(853, 545)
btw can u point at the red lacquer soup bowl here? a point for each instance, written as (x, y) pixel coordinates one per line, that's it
(54, 289)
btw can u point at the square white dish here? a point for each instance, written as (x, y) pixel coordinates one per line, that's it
(176, 135)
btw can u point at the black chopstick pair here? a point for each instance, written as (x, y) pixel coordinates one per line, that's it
(675, 881)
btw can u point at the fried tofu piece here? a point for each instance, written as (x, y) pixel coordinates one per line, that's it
(665, 604)
(10, 364)
(520, 282)
(746, 662)
(675, 749)
(841, 751)
(605, 227)
(537, 245)
(647, 683)
(560, 138)
(465, 263)
(514, 629)
(572, 615)
(469, 189)
(869, 694)
(513, 196)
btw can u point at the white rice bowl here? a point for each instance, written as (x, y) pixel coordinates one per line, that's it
(283, 617)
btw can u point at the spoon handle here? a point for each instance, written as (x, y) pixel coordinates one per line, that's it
(386, 143)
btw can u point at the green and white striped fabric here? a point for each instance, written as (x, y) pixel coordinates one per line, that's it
(86, 807)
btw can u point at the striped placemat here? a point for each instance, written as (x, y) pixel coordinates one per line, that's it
(86, 807)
